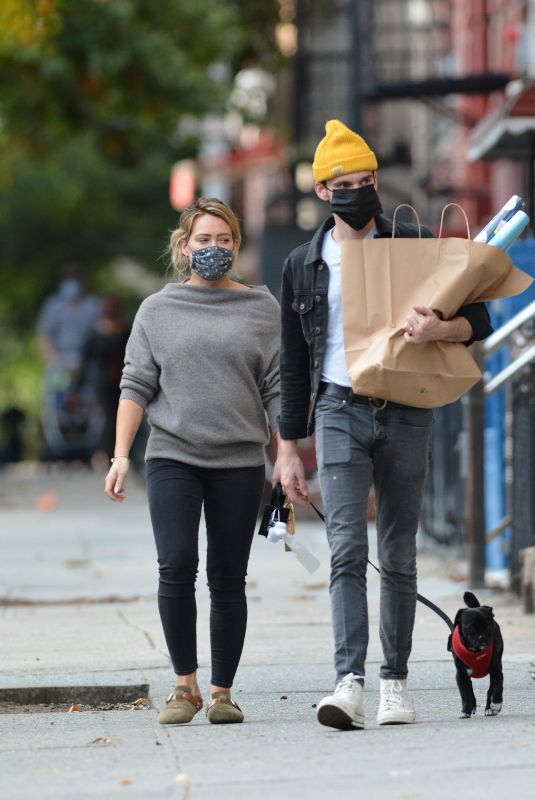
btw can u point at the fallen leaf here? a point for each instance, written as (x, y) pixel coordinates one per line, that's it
(105, 740)
(74, 707)
(168, 734)
(284, 697)
(125, 782)
(312, 587)
(141, 701)
(46, 502)
(456, 575)
(76, 563)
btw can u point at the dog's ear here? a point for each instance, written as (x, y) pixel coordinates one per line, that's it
(471, 600)
(488, 612)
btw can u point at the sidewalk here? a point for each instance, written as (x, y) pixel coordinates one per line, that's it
(78, 609)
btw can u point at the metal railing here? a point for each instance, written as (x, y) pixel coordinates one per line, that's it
(477, 536)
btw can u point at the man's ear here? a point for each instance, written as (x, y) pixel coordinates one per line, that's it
(321, 191)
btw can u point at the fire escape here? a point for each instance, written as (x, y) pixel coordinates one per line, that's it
(355, 54)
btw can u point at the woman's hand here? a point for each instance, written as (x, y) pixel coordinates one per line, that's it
(114, 487)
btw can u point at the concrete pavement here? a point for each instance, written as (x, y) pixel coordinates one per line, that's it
(77, 588)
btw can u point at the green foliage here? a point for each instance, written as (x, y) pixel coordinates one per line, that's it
(123, 69)
(91, 95)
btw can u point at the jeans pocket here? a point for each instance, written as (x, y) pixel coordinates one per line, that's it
(333, 442)
(327, 403)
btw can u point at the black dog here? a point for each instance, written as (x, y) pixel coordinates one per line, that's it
(477, 647)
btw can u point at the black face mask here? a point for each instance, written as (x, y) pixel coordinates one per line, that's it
(356, 206)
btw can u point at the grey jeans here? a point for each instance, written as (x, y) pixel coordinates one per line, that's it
(357, 445)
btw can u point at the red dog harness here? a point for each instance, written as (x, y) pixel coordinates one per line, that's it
(477, 662)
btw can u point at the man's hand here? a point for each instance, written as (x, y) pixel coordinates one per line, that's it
(424, 325)
(292, 473)
(276, 474)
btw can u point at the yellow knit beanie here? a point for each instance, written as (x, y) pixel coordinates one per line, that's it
(340, 152)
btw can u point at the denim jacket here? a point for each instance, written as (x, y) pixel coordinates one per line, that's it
(304, 311)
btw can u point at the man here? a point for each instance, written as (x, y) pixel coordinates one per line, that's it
(66, 321)
(359, 440)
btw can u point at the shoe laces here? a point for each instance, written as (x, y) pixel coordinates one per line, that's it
(392, 694)
(346, 684)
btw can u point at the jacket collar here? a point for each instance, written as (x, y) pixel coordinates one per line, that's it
(314, 250)
(383, 225)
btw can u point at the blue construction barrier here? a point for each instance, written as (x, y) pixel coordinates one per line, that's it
(523, 256)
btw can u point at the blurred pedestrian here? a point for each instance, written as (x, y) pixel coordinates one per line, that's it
(102, 364)
(71, 419)
(66, 321)
(359, 439)
(203, 361)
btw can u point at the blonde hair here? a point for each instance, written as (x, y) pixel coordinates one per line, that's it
(179, 262)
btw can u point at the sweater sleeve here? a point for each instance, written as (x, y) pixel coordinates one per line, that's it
(270, 392)
(140, 379)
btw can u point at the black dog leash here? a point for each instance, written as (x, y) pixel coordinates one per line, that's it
(419, 597)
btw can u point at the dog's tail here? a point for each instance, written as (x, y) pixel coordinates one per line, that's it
(471, 600)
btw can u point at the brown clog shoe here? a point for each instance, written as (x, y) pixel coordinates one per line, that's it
(181, 706)
(223, 710)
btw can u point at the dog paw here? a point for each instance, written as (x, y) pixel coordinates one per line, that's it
(466, 714)
(494, 710)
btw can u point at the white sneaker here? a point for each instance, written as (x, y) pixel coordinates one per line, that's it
(345, 708)
(395, 706)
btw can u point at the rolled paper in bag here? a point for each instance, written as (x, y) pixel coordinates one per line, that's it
(506, 212)
(510, 231)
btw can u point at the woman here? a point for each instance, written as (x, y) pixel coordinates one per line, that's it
(202, 360)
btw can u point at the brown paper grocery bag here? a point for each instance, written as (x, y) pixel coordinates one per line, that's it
(382, 279)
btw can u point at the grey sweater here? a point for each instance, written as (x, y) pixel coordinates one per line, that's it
(204, 362)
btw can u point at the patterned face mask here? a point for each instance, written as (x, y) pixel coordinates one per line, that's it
(212, 263)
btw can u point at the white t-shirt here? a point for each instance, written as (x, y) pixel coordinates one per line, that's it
(334, 363)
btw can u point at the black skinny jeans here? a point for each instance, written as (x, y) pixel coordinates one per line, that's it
(231, 500)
